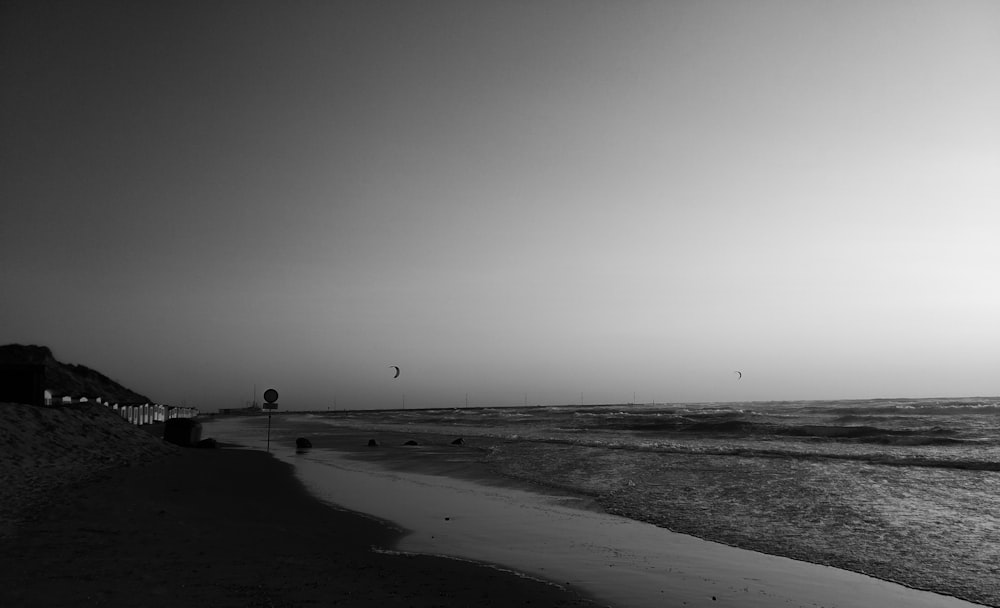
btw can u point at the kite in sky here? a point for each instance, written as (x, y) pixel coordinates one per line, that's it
(395, 367)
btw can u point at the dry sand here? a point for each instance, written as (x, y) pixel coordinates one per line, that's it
(201, 528)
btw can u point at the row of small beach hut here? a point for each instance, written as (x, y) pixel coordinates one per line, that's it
(148, 413)
(136, 413)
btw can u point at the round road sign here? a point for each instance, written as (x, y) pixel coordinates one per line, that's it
(270, 395)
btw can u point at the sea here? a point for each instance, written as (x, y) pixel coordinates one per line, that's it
(906, 490)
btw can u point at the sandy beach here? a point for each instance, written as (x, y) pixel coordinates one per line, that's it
(223, 527)
(133, 521)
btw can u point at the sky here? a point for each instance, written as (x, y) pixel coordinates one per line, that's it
(516, 202)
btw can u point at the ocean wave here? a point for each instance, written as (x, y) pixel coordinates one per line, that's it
(923, 431)
(898, 454)
(878, 430)
(856, 432)
(921, 407)
(956, 461)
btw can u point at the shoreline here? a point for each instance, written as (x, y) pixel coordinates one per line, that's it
(231, 527)
(442, 461)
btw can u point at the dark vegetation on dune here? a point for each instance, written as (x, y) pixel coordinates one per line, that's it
(65, 379)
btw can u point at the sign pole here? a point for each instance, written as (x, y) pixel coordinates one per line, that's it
(271, 397)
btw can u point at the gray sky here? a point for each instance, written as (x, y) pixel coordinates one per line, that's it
(514, 200)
